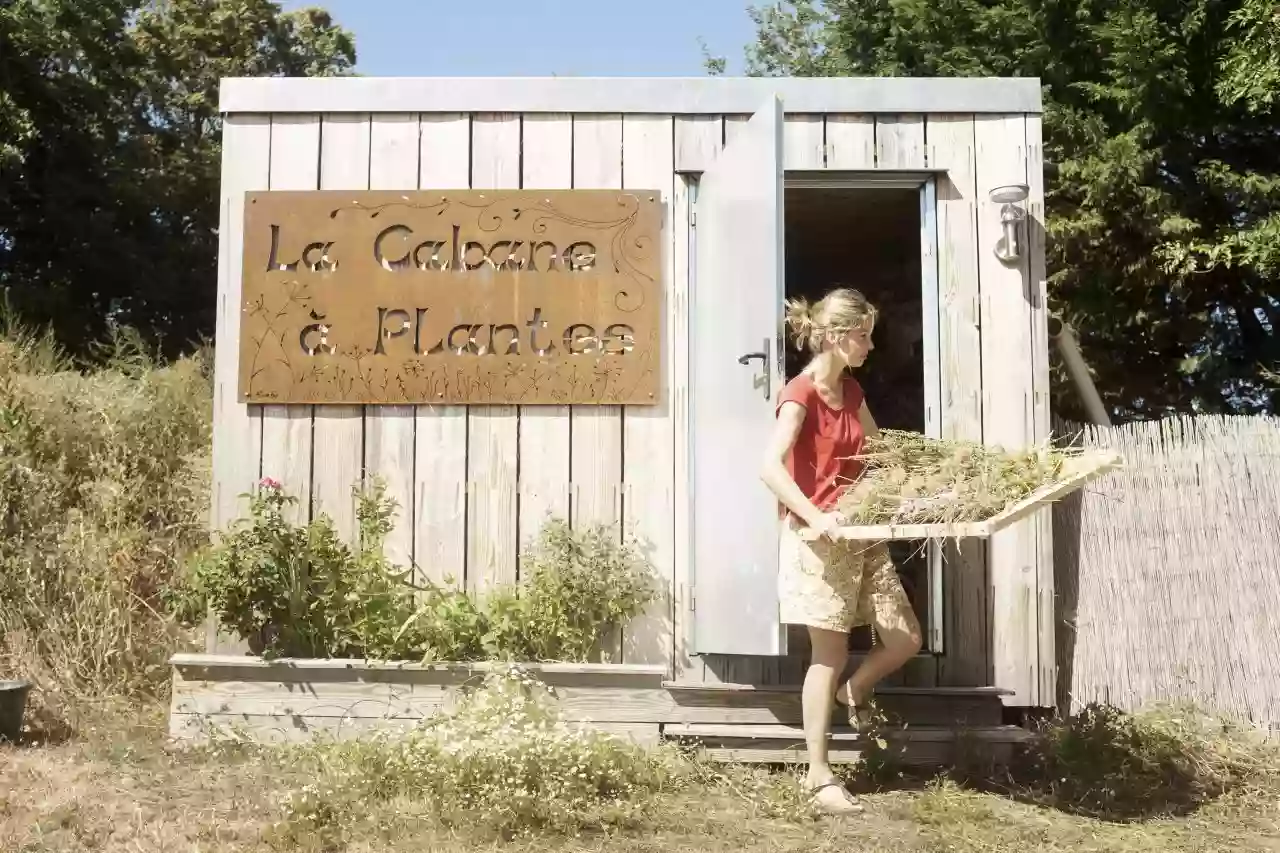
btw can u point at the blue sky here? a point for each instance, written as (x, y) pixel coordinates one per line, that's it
(535, 38)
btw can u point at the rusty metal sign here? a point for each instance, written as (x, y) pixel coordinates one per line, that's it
(467, 297)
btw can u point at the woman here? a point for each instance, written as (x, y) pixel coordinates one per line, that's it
(830, 584)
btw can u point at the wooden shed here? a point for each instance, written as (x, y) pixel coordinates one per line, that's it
(723, 196)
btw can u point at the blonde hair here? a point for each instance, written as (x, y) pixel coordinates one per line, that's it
(841, 309)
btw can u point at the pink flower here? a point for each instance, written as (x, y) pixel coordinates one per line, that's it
(269, 483)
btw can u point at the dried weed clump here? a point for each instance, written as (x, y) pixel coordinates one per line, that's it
(1108, 764)
(911, 479)
(503, 762)
(104, 479)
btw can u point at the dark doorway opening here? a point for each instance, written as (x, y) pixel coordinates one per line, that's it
(868, 239)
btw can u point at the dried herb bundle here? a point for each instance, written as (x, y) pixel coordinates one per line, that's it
(911, 479)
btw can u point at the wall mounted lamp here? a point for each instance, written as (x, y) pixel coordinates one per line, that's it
(1009, 247)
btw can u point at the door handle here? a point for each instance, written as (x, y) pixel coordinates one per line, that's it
(762, 381)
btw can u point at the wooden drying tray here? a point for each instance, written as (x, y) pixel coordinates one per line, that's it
(1079, 470)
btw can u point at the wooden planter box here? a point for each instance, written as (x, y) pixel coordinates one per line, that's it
(289, 700)
(293, 700)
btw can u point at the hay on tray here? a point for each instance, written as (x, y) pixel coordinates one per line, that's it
(911, 479)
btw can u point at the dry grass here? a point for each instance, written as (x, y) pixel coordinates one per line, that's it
(911, 479)
(103, 492)
(121, 789)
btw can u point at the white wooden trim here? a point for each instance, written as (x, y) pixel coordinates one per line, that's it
(931, 310)
(855, 179)
(655, 95)
(698, 139)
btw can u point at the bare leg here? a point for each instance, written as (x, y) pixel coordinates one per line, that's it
(900, 639)
(829, 650)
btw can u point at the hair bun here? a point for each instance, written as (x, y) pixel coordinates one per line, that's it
(799, 319)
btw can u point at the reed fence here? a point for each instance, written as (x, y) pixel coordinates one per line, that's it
(1167, 572)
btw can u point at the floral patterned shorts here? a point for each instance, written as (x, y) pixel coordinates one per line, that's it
(839, 585)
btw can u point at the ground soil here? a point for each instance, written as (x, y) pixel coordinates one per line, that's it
(121, 788)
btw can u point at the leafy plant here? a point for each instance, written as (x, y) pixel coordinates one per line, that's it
(299, 591)
(576, 586)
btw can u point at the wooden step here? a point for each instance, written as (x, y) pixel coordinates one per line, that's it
(923, 746)
(763, 705)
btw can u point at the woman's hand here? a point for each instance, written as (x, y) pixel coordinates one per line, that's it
(829, 526)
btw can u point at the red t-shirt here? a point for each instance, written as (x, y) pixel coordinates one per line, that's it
(819, 461)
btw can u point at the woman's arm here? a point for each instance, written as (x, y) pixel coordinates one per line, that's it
(774, 470)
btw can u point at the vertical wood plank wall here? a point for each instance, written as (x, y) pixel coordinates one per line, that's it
(286, 430)
(473, 485)
(1045, 689)
(440, 432)
(337, 432)
(595, 451)
(493, 432)
(389, 431)
(965, 580)
(1007, 406)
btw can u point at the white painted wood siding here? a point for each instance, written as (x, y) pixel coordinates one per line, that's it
(1007, 390)
(440, 432)
(950, 143)
(337, 433)
(474, 483)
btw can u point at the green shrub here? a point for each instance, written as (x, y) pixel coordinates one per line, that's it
(298, 591)
(575, 587)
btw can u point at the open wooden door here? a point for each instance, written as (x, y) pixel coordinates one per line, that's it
(736, 373)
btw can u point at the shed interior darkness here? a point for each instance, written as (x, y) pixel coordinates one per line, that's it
(868, 239)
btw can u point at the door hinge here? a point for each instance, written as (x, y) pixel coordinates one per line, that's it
(693, 602)
(693, 216)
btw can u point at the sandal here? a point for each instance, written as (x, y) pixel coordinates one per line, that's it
(861, 714)
(832, 798)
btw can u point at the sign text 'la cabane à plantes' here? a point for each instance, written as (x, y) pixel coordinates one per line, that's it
(465, 297)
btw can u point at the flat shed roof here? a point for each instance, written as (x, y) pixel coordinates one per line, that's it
(654, 95)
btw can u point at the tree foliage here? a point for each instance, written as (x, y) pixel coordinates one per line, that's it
(110, 153)
(1161, 121)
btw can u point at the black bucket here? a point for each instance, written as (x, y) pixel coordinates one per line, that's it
(13, 705)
